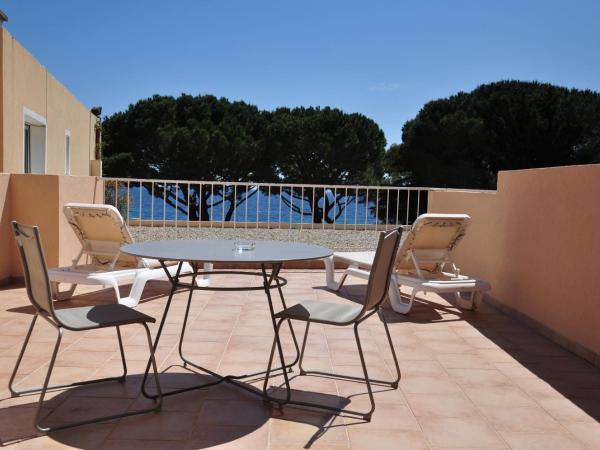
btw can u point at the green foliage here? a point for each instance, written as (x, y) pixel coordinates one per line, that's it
(205, 138)
(324, 146)
(464, 140)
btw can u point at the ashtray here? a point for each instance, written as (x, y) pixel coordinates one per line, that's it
(244, 246)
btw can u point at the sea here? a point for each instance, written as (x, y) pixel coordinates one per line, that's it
(259, 207)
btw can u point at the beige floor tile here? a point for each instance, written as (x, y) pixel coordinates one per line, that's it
(171, 426)
(85, 437)
(500, 396)
(429, 385)
(390, 440)
(430, 405)
(86, 408)
(463, 361)
(317, 446)
(566, 410)
(478, 377)
(466, 378)
(538, 388)
(387, 417)
(247, 412)
(514, 370)
(540, 441)
(460, 432)
(302, 427)
(139, 444)
(422, 368)
(520, 418)
(585, 432)
(230, 438)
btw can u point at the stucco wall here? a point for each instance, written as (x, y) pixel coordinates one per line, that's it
(537, 240)
(38, 200)
(5, 218)
(26, 83)
(34, 201)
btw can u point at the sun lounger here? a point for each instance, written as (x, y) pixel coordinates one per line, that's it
(101, 231)
(423, 264)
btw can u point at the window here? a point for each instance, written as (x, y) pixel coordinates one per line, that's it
(27, 165)
(34, 142)
(67, 152)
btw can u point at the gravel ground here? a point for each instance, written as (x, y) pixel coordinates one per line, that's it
(337, 240)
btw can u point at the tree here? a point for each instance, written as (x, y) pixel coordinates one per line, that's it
(464, 140)
(325, 147)
(205, 138)
(189, 138)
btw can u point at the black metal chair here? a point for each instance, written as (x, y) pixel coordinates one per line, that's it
(345, 315)
(73, 319)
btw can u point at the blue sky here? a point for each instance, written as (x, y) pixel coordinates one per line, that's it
(384, 59)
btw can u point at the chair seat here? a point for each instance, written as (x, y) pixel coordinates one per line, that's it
(88, 317)
(323, 312)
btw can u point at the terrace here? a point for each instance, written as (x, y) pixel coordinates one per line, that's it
(521, 372)
(469, 379)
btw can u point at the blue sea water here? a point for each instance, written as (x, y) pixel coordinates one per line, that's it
(259, 207)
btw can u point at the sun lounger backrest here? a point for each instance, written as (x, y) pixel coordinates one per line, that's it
(430, 241)
(101, 232)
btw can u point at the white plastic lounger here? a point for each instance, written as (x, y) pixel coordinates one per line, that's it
(101, 231)
(423, 263)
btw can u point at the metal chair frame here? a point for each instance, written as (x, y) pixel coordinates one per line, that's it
(362, 316)
(60, 328)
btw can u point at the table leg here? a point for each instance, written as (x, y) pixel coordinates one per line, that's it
(277, 341)
(173, 280)
(174, 283)
(269, 281)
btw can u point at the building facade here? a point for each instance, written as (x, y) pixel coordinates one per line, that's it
(44, 129)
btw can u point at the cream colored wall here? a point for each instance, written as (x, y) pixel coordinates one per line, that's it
(34, 201)
(5, 230)
(38, 200)
(537, 240)
(26, 83)
(65, 112)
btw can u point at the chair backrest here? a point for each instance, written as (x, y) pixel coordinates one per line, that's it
(381, 270)
(34, 267)
(430, 241)
(101, 231)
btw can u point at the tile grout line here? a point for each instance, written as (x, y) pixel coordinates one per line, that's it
(477, 408)
(406, 399)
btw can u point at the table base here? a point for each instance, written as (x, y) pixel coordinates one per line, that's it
(271, 281)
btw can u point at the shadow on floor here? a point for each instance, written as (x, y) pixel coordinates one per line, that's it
(205, 418)
(532, 354)
(526, 351)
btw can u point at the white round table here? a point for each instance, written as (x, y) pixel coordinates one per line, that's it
(269, 255)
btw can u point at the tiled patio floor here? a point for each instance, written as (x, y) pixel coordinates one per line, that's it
(478, 380)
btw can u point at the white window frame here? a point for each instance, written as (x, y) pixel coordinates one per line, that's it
(34, 119)
(68, 148)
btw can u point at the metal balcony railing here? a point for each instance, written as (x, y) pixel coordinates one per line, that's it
(183, 203)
